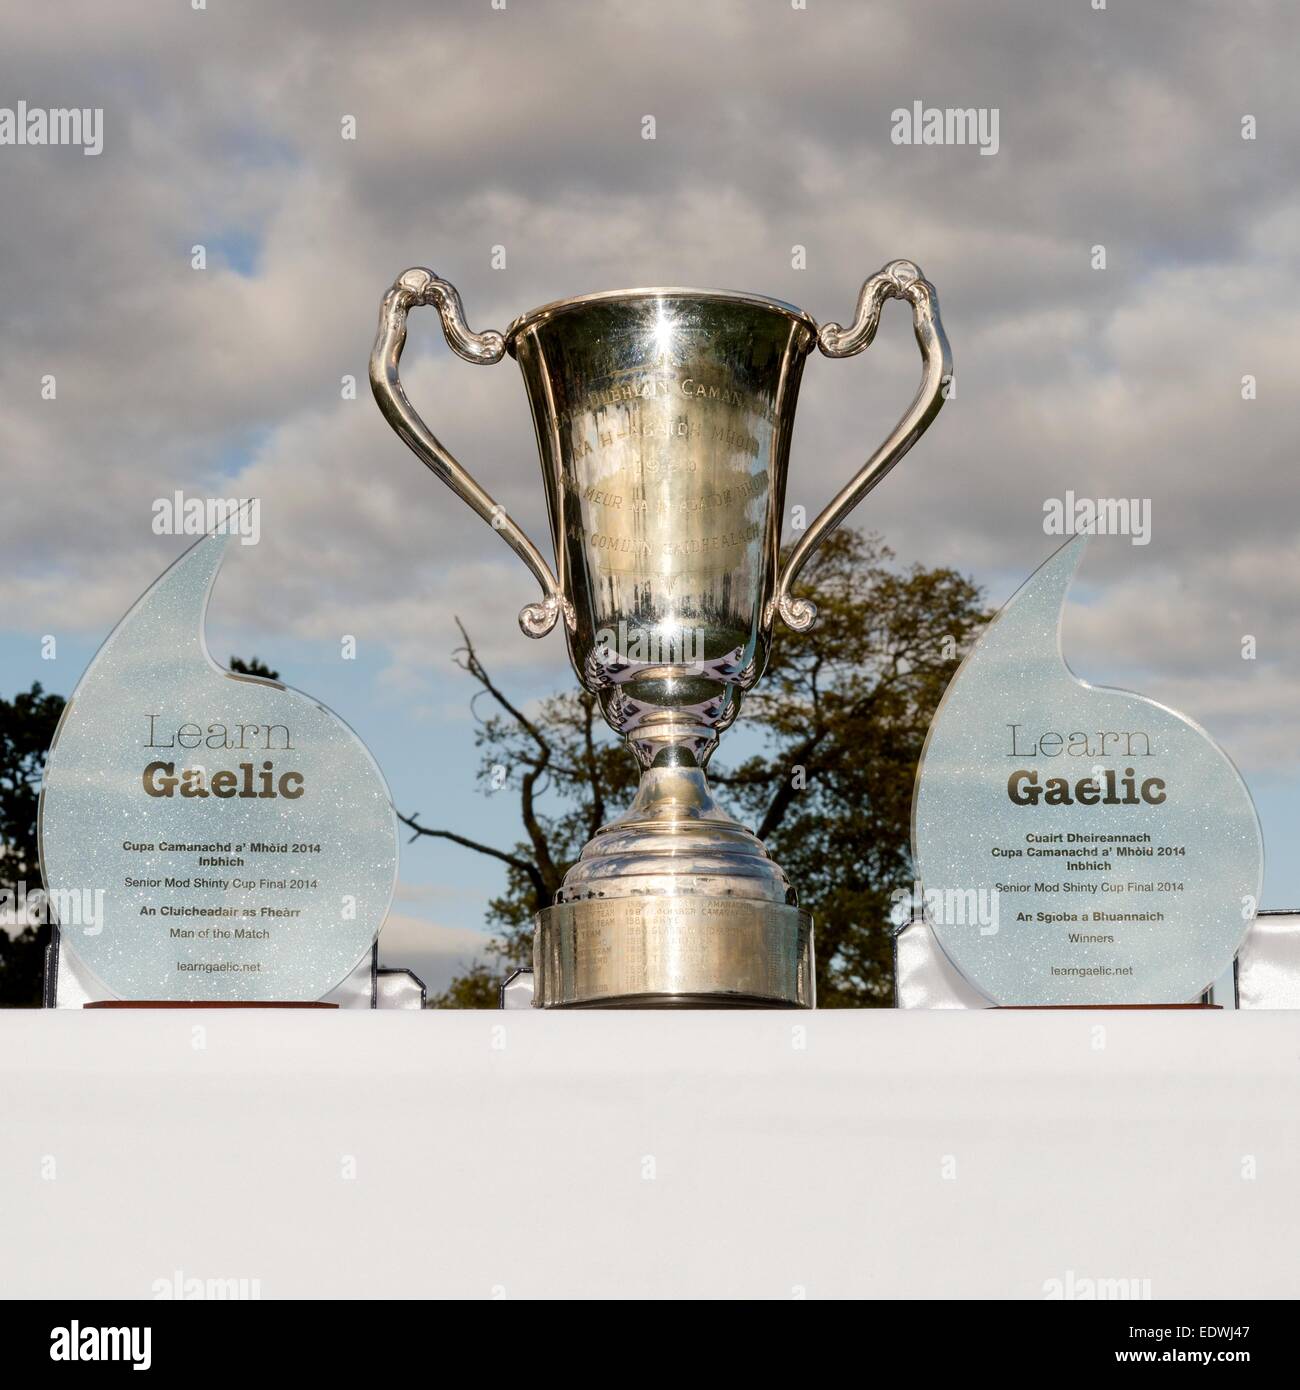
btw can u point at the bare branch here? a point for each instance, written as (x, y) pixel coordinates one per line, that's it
(597, 817)
(526, 868)
(475, 667)
(529, 788)
(785, 788)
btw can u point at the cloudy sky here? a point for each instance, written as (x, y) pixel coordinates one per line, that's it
(520, 125)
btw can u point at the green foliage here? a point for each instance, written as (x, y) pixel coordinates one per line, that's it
(253, 668)
(478, 988)
(845, 709)
(27, 724)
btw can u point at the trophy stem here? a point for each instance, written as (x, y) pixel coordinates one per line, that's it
(674, 838)
(665, 740)
(672, 792)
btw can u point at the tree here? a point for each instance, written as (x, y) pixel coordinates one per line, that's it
(27, 724)
(844, 711)
(253, 668)
(478, 988)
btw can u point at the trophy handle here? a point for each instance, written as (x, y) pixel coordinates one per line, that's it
(898, 280)
(419, 286)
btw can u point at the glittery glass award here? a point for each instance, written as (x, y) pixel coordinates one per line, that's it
(1077, 845)
(207, 836)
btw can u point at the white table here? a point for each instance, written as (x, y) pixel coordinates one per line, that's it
(881, 1153)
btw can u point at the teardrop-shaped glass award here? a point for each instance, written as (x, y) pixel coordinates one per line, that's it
(1077, 844)
(206, 835)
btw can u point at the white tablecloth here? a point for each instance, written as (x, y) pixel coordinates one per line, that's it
(880, 1153)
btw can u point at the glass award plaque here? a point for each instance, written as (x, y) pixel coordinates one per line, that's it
(207, 836)
(1077, 845)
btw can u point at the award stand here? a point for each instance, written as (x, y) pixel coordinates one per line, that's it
(68, 985)
(924, 978)
(211, 839)
(208, 1004)
(1076, 846)
(1000, 1008)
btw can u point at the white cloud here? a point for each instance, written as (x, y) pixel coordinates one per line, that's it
(1119, 128)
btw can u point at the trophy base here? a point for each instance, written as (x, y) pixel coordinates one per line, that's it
(655, 951)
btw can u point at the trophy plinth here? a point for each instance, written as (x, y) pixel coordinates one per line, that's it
(674, 903)
(663, 420)
(677, 951)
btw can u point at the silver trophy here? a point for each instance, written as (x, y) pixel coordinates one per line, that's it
(663, 419)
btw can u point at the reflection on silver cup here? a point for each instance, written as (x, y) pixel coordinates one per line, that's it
(663, 420)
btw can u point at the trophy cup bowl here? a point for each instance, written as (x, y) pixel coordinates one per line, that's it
(663, 421)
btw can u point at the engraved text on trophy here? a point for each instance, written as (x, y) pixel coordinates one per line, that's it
(669, 482)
